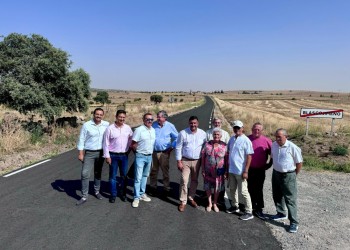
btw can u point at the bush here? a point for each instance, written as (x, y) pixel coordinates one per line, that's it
(340, 150)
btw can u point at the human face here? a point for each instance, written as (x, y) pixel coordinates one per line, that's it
(120, 119)
(281, 138)
(161, 120)
(216, 136)
(217, 123)
(98, 115)
(193, 125)
(237, 130)
(148, 121)
(257, 131)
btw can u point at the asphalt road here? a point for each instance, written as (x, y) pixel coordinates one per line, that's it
(37, 208)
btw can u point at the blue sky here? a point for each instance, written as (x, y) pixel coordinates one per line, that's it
(196, 44)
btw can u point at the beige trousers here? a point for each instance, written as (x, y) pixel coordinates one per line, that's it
(190, 168)
(160, 160)
(237, 182)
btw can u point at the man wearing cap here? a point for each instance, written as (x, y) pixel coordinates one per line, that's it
(143, 143)
(188, 152)
(287, 163)
(240, 150)
(116, 143)
(91, 153)
(166, 135)
(258, 166)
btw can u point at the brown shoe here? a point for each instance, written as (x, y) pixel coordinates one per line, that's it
(193, 203)
(182, 207)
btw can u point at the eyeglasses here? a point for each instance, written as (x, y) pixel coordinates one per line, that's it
(149, 120)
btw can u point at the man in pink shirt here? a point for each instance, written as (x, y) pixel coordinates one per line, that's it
(258, 166)
(116, 143)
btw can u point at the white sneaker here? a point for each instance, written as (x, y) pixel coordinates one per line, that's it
(135, 203)
(144, 197)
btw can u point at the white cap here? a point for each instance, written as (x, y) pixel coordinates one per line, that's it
(237, 123)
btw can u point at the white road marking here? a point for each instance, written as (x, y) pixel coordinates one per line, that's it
(7, 175)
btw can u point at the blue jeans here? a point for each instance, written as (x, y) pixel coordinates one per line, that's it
(142, 168)
(121, 161)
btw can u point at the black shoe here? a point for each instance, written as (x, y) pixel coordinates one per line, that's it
(232, 210)
(98, 196)
(152, 192)
(81, 201)
(259, 214)
(123, 198)
(166, 193)
(112, 199)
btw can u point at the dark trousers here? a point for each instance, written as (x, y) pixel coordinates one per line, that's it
(118, 161)
(256, 178)
(284, 191)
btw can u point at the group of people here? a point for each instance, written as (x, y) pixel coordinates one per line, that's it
(240, 159)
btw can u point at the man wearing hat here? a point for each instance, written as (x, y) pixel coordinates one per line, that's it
(240, 150)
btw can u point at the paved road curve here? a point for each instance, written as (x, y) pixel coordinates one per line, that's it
(38, 211)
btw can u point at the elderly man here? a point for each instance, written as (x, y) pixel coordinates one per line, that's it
(258, 166)
(91, 153)
(240, 150)
(216, 123)
(143, 143)
(117, 140)
(188, 152)
(166, 135)
(287, 163)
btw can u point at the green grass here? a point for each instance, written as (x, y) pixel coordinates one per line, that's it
(314, 163)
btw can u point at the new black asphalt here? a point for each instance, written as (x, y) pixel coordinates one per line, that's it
(38, 211)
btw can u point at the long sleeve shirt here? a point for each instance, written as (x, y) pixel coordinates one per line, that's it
(116, 139)
(165, 136)
(189, 144)
(91, 135)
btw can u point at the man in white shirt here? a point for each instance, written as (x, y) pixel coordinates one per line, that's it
(287, 163)
(240, 154)
(143, 141)
(91, 153)
(188, 151)
(216, 123)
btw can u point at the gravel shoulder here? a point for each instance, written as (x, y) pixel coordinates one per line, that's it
(323, 203)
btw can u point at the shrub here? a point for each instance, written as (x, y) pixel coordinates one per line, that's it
(340, 150)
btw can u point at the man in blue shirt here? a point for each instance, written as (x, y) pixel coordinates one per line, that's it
(166, 135)
(91, 153)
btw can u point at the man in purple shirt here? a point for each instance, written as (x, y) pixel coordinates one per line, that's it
(258, 166)
(116, 143)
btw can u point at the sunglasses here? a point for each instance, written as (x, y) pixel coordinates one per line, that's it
(149, 120)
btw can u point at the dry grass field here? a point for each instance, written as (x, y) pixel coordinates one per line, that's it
(281, 109)
(19, 147)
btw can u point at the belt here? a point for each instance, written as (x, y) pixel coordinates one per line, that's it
(187, 159)
(88, 150)
(144, 154)
(115, 153)
(288, 172)
(161, 151)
